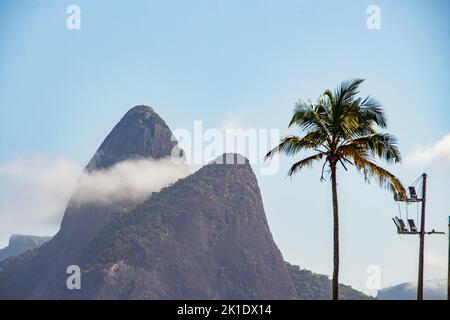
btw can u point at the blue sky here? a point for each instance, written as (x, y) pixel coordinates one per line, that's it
(61, 92)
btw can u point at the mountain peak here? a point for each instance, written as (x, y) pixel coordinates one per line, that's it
(141, 133)
(140, 109)
(230, 159)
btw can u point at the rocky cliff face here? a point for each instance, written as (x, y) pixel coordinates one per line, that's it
(205, 236)
(140, 133)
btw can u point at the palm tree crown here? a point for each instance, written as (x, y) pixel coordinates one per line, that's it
(341, 129)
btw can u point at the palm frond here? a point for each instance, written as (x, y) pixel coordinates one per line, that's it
(302, 114)
(309, 117)
(371, 170)
(290, 145)
(304, 162)
(346, 91)
(371, 110)
(383, 146)
(357, 120)
(330, 96)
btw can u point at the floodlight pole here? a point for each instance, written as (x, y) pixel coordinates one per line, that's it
(422, 239)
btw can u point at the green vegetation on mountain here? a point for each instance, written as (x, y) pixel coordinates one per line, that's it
(313, 286)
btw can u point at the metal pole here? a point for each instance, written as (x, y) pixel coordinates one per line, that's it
(448, 274)
(422, 240)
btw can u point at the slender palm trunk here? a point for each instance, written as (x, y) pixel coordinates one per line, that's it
(335, 282)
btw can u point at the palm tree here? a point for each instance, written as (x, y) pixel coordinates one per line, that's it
(341, 129)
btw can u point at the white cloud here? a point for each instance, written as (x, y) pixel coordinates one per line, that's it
(437, 263)
(131, 179)
(34, 191)
(438, 152)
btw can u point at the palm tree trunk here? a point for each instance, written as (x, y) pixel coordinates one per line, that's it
(335, 282)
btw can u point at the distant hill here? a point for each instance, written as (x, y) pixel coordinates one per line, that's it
(433, 290)
(313, 286)
(21, 243)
